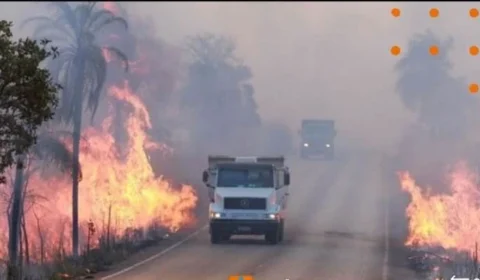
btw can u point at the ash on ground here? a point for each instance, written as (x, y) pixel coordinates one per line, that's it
(438, 263)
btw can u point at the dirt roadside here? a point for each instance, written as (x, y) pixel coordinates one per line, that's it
(149, 252)
(397, 223)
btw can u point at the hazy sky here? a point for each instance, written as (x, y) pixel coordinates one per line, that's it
(317, 59)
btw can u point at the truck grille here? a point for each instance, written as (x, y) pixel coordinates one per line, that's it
(245, 203)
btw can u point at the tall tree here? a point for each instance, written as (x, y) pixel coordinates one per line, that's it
(48, 149)
(81, 69)
(219, 94)
(426, 86)
(28, 95)
(155, 68)
(443, 108)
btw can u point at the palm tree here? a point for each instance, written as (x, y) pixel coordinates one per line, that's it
(49, 148)
(81, 69)
(219, 84)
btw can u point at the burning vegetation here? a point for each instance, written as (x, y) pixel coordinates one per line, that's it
(443, 227)
(119, 191)
(127, 100)
(122, 199)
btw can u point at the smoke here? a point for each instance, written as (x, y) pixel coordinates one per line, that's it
(445, 113)
(313, 60)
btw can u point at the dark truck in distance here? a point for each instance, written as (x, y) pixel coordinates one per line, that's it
(317, 138)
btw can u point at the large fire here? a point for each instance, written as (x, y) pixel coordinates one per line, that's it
(447, 220)
(118, 189)
(118, 192)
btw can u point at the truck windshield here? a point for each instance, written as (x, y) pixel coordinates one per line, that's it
(247, 177)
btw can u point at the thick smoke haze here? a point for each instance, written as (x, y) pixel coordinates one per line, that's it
(312, 59)
(306, 60)
(324, 59)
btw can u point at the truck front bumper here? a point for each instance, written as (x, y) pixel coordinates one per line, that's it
(243, 227)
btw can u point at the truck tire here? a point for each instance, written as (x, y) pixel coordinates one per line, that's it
(273, 236)
(330, 155)
(303, 155)
(215, 237)
(282, 231)
(226, 237)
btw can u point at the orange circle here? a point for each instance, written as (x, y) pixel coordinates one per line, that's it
(433, 50)
(395, 50)
(473, 88)
(473, 50)
(434, 12)
(473, 12)
(395, 12)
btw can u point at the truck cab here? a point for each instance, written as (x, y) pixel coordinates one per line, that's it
(248, 196)
(317, 138)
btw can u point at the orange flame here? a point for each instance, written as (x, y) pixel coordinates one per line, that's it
(447, 220)
(120, 190)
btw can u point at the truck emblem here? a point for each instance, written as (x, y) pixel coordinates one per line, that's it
(244, 203)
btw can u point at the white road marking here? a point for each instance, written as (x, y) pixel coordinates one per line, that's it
(159, 254)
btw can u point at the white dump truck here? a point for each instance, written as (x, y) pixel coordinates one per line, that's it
(248, 196)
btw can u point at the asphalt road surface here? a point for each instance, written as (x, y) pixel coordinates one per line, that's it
(335, 230)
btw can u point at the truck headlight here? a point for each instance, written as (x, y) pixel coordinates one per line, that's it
(305, 144)
(327, 145)
(215, 215)
(273, 216)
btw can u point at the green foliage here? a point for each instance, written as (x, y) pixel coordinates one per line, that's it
(28, 95)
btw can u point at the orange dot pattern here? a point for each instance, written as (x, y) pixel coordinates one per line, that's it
(395, 50)
(473, 88)
(396, 12)
(434, 12)
(473, 12)
(434, 50)
(473, 50)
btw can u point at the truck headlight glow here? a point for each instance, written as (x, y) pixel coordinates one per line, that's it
(327, 145)
(273, 216)
(305, 144)
(215, 215)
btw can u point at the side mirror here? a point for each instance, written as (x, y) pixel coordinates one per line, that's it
(286, 179)
(205, 176)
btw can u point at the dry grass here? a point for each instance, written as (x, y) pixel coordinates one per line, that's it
(437, 263)
(110, 250)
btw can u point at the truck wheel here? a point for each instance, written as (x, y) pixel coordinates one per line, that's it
(282, 231)
(303, 155)
(226, 237)
(330, 155)
(273, 237)
(215, 237)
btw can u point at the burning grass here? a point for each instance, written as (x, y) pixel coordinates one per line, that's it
(443, 229)
(124, 206)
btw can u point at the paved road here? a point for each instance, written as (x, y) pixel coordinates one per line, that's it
(335, 230)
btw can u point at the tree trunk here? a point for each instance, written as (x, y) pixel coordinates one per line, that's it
(13, 240)
(42, 241)
(77, 129)
(77, 123)
(25, 239)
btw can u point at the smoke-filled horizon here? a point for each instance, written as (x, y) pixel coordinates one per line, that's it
(310, 59)
(238, 78)
(324, 59)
